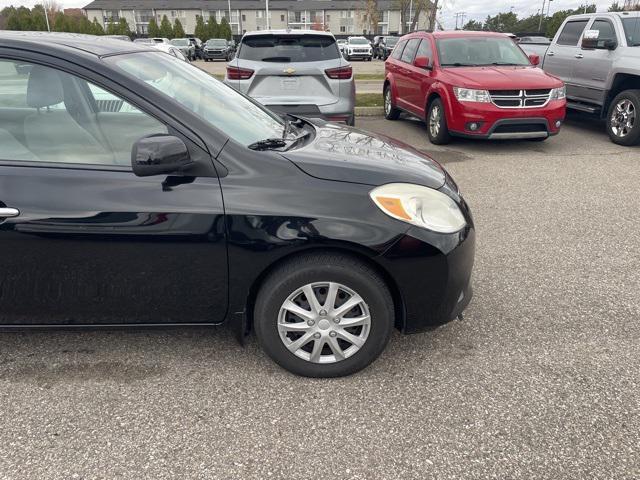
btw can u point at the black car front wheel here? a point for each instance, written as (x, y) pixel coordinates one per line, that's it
(324, 315)
(623, 119)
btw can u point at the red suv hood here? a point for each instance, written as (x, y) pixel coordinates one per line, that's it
(500, 78)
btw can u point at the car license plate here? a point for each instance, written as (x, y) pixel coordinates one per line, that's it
(289, 83)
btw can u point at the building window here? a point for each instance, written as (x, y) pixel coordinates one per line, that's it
(343, 29)
(111, 16)
(282, 18)
(244, 17)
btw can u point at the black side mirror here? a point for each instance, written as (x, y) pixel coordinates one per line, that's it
(610, 44)
(159, 155)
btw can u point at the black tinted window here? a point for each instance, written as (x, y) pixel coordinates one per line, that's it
(288, 48)
(606, 31)
(571, 32)
(632, 31)
(410, 50)
(397, 51)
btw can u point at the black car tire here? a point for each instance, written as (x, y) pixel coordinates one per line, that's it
(391, 113)
(324, 267)
(632, 137)
(442, 135)
(348, 58)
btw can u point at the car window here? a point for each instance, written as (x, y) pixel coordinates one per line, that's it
(605, 31)
(424, 50)
(571, 32)
(397, 52)
(632, 31)
(48, 115)
(239, 117)
(410, 50)
(288, 48)
(479, 50)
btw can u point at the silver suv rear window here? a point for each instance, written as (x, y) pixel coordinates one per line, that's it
(288, 48)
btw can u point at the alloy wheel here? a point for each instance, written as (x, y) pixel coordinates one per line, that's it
(623, 118)
(324, 322)
(387, 101)
(434, 121)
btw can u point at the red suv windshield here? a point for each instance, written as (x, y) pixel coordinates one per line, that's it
(479, 51)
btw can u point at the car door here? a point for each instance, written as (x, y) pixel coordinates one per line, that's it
(85, 239)
(592, 69)
(404, 81)
(419, 79)
(563, 53)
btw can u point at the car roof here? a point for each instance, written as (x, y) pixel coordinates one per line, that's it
(288, 32)
(96, 45)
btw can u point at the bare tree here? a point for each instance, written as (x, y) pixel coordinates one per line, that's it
(371, 15)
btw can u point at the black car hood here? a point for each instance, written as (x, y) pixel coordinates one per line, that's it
(350, 155)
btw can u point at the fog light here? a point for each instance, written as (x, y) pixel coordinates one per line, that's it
(473, 126)
(558, 123)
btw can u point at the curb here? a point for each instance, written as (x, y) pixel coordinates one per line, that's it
(369, 111)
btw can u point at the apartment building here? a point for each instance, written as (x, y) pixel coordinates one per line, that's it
(341, 17)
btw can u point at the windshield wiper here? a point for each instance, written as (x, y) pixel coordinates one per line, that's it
(276, 59)
(458, 64)
(268, 144)
(506, 64)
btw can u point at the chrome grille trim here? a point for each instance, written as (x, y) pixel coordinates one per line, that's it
(532, 98)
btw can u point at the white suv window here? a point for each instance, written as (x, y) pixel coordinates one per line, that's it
(48, 115)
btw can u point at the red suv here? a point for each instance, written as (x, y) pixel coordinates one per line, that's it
(472, 84)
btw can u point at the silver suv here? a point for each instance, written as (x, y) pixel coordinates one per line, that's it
(295, 71)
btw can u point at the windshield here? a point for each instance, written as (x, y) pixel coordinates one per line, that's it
(479, 51)
(180, 42)
(242, 119)
(391, 41)
(541, 40)
(148, 41)
(632, 31)
(218, 42)
(288, 48)
(359, 41)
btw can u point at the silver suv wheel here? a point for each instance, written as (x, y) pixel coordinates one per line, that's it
(324, 322)
(434, 121)
(623, 118)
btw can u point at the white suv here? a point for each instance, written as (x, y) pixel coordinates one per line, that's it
(358, 47)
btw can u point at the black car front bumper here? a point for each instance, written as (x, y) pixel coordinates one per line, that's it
(432, 275)
(215, 55)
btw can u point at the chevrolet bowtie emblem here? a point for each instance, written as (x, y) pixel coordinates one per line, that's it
(290, 71)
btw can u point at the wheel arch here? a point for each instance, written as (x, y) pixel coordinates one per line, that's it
(620, 83)
(398, 303)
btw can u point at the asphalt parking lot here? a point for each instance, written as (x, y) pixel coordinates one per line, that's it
(541, 379)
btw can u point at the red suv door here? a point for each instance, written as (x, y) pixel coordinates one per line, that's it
(419, 79)
(404, 81)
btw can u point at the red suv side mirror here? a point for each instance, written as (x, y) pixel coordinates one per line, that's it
(534, 59)
(422, 62)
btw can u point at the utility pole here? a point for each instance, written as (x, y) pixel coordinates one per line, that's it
(268, 22)
(46, 16)
(460, 15)
(541, 14)
(410, 13)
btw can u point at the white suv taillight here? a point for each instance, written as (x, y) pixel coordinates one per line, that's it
(340, 73)
(236, 73)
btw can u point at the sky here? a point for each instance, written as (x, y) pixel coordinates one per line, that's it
(476, 10)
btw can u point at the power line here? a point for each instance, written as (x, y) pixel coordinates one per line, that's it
(460, 15)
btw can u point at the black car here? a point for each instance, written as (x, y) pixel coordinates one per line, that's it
(383, 46)
(198, 206)
(217, 49)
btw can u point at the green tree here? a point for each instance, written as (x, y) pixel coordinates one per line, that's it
(123, 27)
(225, 29)
(473, 25)
(61, 23)
(616, 7)
(96, 28)
(84, 25)
(201, 29)
(502, 22)
(153, 29)
(178, 31)
(528, 24)
(212, 28)
(558, 17)
(38, 20)
(166, 30)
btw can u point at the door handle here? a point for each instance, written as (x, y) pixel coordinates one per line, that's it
(6, 212)
(579, 55)
(550, 54)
